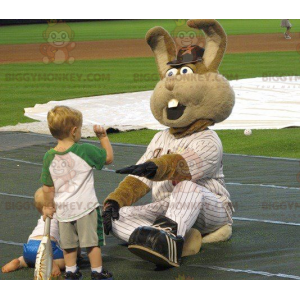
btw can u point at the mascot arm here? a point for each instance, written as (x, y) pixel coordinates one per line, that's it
(201, 160)
(133, 188)
(171, 167)
(129, 191)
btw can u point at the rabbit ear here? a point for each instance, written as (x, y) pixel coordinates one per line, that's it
(163, 48)
(216, 41)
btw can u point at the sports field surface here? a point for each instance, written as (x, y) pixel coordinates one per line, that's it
(264, 142)
(24, 85)
(264, 192)
(133, 29)
(112, 49)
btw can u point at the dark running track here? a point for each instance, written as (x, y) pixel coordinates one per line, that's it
(265, 193)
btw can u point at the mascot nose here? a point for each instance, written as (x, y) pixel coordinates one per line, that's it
(169, 84)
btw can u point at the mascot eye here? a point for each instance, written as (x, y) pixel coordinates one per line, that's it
(63, 36)
(171, 72)
(53, 164)
(53, 35)
(186, 70)
(64, 164)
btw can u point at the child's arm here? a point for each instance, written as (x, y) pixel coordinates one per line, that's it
(49, 206)
(105, 143)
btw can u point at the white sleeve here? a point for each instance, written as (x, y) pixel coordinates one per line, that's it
(204, 157)
(149, 154)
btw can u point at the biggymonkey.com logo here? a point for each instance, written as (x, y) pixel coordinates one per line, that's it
(185, 36)
(59, 37)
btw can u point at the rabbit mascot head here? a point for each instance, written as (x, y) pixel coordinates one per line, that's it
(190, 91)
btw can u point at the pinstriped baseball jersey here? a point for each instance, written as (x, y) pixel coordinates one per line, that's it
(203, 153)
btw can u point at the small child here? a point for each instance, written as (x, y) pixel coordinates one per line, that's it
(287, 24)
(30, 249)
(68, 188)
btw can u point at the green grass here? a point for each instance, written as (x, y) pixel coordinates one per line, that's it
(16, 92)
(24, 85)
(130, 29)
(139, 137)
(273, 143)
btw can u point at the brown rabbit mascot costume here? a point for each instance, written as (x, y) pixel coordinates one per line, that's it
(183, 164)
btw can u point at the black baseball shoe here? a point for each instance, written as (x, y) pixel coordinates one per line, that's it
(73, 276)
(158, 243)
(104, 275)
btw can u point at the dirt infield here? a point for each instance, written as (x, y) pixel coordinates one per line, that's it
(110, 49)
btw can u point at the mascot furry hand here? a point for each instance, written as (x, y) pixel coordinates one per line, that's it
(182, 165)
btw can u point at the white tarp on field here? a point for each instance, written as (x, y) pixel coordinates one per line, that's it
(260, 103)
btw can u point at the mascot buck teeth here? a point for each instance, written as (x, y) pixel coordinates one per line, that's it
(183, 164)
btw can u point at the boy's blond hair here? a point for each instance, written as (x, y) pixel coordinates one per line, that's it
(61, 119)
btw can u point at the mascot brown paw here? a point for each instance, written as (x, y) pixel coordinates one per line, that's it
(158, 243)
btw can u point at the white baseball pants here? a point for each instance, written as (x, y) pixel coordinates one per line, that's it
(190, 205)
